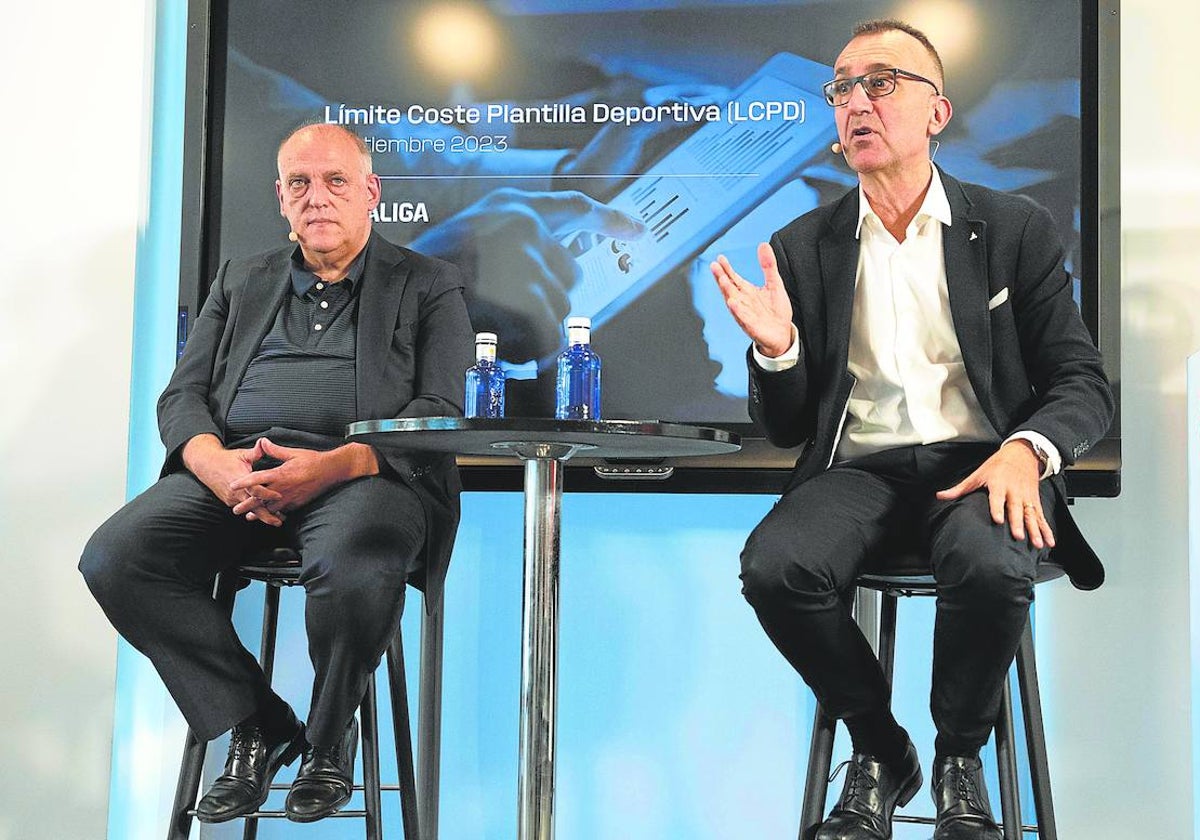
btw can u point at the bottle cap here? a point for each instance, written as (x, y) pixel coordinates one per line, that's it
(485, 338)
(579, 321)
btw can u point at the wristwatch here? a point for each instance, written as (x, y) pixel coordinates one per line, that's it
(1042, 455)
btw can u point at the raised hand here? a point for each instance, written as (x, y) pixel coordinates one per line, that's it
(763, 312)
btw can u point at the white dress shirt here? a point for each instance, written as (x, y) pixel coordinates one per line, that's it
(911, 386)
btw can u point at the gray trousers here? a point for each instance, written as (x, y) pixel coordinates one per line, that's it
(151, 567)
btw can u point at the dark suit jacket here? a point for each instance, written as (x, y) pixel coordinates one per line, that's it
(1029, 358)
(414, 342)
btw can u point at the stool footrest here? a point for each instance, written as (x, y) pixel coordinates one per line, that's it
(191, 812)
(288, 786)
(902, 818)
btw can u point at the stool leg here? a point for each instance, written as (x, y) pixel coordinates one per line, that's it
(864, 608)
(429, 719)
(187, 787)
(816, 782)
(401, 729)
(194, 750)
(266, 660)
(370, 762)
(1035, 736)
(820, 750)
(1006, 748)
(887, 635)
(270, 628)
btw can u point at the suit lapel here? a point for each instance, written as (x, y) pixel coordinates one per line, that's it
(964, 245)
(261, 299)
(384, 278)
(839, 266)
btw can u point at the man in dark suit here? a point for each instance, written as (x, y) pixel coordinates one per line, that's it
(291, 346)
(918, 336)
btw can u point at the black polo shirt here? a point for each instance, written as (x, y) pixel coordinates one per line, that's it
(302, 378)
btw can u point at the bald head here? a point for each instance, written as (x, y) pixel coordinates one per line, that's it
(332, 132)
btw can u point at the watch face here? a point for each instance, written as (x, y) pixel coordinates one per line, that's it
(1043, 459)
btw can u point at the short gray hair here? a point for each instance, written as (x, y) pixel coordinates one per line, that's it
(874, 27)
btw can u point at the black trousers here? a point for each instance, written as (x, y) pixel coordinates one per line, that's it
(802, 560)
(151, 567)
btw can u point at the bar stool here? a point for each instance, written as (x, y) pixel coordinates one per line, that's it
(909, 575)
(418, 797)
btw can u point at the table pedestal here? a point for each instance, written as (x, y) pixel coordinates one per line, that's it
(539, 634)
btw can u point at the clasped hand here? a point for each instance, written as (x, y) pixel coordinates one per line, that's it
(270, 493)
(266, 495)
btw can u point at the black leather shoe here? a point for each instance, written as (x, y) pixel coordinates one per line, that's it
(872, 793)
(253, 761)
(963, 811)
(325, 780)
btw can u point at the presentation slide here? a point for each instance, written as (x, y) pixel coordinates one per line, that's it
(591, 157)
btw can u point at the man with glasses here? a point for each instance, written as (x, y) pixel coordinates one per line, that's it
(919, 338)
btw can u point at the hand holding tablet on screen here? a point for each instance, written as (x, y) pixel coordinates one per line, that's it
(519, 273)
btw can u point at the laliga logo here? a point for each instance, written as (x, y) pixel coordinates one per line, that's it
(404, 212)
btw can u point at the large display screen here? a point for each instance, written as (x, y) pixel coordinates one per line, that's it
(591, 157)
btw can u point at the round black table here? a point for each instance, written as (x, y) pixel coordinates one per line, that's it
(543, 444)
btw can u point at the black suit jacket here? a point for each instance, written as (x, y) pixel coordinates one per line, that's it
(1027, 353)
(414, 342)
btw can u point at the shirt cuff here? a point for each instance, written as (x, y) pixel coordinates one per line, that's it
(1053, 459)
(780, 363)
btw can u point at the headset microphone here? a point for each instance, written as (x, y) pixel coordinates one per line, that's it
(836, 148)
(293, 236)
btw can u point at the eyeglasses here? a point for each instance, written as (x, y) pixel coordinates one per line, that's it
(875, 84)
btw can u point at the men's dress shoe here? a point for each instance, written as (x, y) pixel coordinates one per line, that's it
(325, 780)
(253, 761)
(872, 793)
(963, 811)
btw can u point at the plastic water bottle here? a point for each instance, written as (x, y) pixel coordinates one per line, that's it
(578, 375)
(485, 380)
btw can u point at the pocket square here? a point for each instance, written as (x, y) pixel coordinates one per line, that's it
(999, 298)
